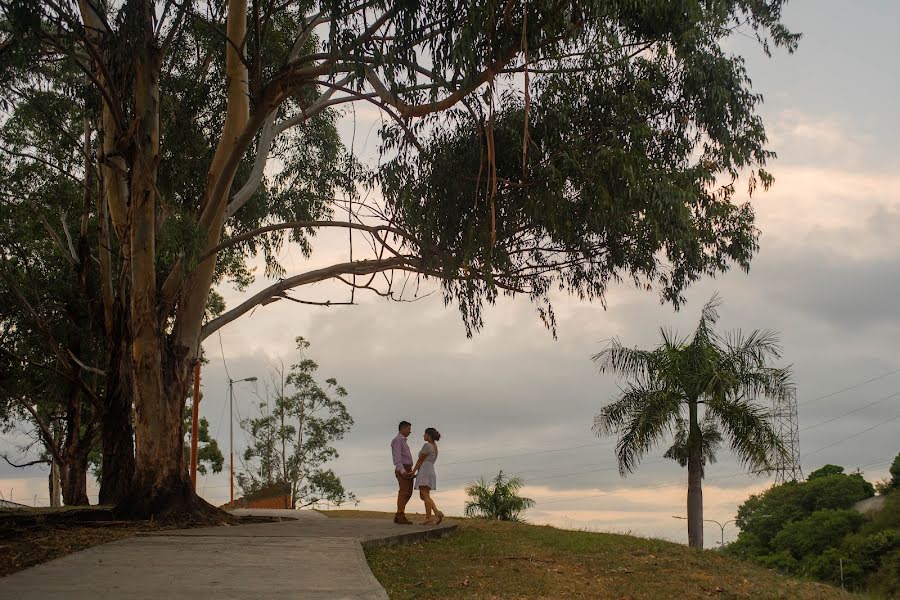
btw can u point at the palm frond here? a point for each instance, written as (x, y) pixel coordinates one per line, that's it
(497, 500)
(750, 432)
(710, 440)
(640, 417)
(709, 316)
(626, 362)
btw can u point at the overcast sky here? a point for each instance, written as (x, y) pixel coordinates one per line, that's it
(827, 278)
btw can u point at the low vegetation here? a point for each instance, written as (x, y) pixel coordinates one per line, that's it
(810, 529)
(491, 559)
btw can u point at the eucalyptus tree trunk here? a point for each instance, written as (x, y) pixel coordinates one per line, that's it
(73, 480)
(117, 430)
(161, 362)
(695, 480)
(54, 485)
(160, 484)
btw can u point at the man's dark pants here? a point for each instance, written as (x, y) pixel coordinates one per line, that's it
(405, 492)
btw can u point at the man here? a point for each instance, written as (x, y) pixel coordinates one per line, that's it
(403, 464)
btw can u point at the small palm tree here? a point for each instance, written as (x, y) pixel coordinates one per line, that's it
(665, 391)
(498, 499)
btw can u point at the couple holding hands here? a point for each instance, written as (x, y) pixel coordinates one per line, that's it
(422, 473)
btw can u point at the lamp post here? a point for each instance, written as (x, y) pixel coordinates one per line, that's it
(231, 383)
(721, 525)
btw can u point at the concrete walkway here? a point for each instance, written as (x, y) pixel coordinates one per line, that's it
(306, 556)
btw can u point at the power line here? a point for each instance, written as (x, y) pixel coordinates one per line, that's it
(852, 387)
(477, 460)
(850, 412)
(850, 437)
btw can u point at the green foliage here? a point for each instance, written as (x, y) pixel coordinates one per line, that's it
(837, 491)
(782, 561)
(885, 582)
(886, 518)
(208, 453)
(666, 385)
(825, 472)
(889, 485)
(895, 472)
(827, 567)
(822, 529)
(292, 438)
(497, 499)
(807, 528)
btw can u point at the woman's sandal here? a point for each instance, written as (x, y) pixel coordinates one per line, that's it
(440, 517)
(428, 522)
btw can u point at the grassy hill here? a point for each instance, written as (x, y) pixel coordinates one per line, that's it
(494, 560)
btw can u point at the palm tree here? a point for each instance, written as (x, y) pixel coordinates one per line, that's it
(498, 499)
(666, 388)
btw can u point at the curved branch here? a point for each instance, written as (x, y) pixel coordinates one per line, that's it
(40, 461)
(360, 267)
(268, 133)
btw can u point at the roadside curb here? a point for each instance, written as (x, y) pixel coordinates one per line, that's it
(411, 537)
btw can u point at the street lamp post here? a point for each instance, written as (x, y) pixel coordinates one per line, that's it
(231, 383)
(721, 525)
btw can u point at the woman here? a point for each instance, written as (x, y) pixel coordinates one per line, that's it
(426, 480)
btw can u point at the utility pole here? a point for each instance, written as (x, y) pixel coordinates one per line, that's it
(195, 418)
(231, 383)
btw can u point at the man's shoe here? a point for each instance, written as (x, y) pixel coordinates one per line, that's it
(402, 521)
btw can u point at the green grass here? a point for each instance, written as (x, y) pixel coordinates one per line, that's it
(493, 560)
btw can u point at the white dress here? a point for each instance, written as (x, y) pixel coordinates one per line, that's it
(426, 476)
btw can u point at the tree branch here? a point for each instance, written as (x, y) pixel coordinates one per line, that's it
(361, 267)
(40, 461)
(420, 110)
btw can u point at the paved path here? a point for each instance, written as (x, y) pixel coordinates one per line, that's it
(306, 556)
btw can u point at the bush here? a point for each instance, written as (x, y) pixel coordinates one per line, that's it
(783, 562)
(827, 567)
(885, 583)
(888, 517)
(867, 551)
(821, 530)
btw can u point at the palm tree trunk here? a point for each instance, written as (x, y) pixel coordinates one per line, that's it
(695, 480)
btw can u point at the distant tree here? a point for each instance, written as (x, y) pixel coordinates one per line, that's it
(825, 472)
(669, 384)
(497, 499)
(208, 452)
(838, 490)
(893, 483)
(293, 437)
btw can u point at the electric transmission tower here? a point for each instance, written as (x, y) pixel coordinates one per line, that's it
(784, 421)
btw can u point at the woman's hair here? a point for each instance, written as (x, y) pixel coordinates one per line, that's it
(433, 433)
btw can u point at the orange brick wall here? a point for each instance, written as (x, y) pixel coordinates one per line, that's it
(273, 502)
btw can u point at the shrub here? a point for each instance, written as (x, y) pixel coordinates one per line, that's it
(821, 530)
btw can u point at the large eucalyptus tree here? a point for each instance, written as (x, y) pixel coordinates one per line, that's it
(701, 391)
(526, 145)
